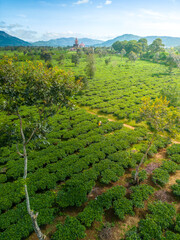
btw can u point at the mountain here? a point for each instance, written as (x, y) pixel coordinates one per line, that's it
(63, 42)
(167, 41)
(127, 37)
(8, 40)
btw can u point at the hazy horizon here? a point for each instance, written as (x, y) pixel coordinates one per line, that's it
(36, 20)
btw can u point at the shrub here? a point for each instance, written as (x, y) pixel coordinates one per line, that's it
(169, 166)
(142, 175)
(175, 158)
(160, 176)
(176, 188)
(91, 213)
(3, 178)
(132, 234)
(107, 176)
(177, 225)
(94, 210)
(149, 229)
(106, 199)
(172, 236)
(74, 192)
(70, 230)
(122, 207)
(174, 149)
(162, 213)
(140, 193)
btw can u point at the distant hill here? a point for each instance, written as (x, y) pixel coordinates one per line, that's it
(64, 42)
(8, 40)
(167, 41)
(127, 37)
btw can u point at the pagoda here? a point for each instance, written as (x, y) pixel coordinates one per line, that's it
(76, 45)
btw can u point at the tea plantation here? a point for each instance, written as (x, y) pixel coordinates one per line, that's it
(80, 176)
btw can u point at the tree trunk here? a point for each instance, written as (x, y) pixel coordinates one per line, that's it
(136, 178)
(33, 215)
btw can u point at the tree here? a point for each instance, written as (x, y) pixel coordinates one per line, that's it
(32, 84)
(144, 44)
(90, 67)
(132, 56)
(61, 58)
(133, 46)
(171, 93)
(107, 60)
(161, 119)
(123, 53)
(46, 56)
(156, 46)
(119, 45)
(75, 59)
(173, 60)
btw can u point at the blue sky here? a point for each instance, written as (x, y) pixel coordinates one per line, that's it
(34, 20)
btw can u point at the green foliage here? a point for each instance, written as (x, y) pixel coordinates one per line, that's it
(160, 176)
(176, 188)
(3, 178)
(90, 67)
(172, 95)
(70, 230)
(159, 115)
(149, 229)
(32, 83)
(169, 166)
(132, 234)
(177, 225)
(174, 149)
(75, 59)
(142, 175)
(91, 213)
(156, 46)
(160, 218)
(74, 192)
(162, 214)
(175, 158)
(172, 236)
(94, 210)
(140, 193)
(122, 207)
(132, 56)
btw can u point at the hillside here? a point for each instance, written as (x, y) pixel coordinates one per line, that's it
(63, 42)
(8, 40)
(168, 41)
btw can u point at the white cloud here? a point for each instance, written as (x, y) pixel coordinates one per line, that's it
(99, 6)
(151, 13)
(81, 2)
(108, 2)
(6, 26)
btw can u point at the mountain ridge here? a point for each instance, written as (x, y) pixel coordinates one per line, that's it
(8, 40)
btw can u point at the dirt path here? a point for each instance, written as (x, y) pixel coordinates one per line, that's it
(111, 120)
(125, 125)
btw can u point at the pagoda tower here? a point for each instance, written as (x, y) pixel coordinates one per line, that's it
(76, 43)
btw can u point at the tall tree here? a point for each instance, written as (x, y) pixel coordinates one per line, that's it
(144, 44)
(172, 61)
(161, 119)
(90, 67)
(132, 56)
(75, 59)
(32, 84)
(156, 46)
